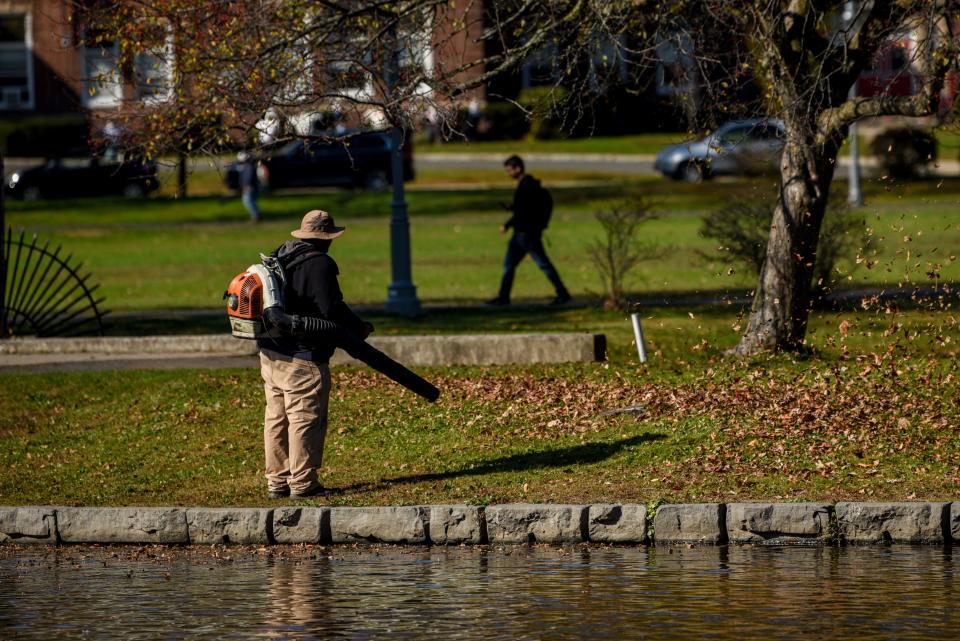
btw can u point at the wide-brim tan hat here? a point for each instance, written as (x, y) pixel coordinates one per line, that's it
(317, 224)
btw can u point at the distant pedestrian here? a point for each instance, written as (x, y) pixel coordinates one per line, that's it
(249, 185)
(531, 207)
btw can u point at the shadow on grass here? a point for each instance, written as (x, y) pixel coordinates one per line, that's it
(562, 457)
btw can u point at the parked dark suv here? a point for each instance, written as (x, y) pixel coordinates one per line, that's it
(85, 175)
(360, 160)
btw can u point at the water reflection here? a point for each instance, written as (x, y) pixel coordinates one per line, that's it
(471, 593)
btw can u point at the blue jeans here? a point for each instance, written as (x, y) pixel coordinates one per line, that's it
(249, 199)
(521, 244)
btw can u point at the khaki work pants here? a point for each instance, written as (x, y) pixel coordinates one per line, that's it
(295, 420)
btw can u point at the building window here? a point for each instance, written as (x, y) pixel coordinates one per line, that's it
(101, 82)
(154, 76)
(676, 67)
(16, 62)
(152, 72)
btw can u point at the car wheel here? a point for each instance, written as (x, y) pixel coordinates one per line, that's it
(692, 173)
(376, 181)
(32, 193)
(133, 190)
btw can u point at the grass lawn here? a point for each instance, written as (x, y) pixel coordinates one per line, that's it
(635, 144)
(871, 415)
(166, 253)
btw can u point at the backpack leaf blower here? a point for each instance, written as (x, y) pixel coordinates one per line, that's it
(255, 309)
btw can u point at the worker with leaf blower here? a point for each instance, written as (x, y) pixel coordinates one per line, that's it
(293, 306)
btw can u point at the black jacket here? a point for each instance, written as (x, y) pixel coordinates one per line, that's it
(312, 290)
(525, 207)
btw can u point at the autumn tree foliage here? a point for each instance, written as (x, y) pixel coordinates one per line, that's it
(227, 63)
(224, 65)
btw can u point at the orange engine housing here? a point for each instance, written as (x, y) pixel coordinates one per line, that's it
(245, 296)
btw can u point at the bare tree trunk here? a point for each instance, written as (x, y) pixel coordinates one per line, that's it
(182, 175)
(781, 303)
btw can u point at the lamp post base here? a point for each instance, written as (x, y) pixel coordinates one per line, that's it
(402, 299)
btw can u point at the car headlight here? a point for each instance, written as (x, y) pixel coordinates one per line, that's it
(14, 178)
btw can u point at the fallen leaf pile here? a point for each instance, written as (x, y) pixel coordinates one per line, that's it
(874, 418)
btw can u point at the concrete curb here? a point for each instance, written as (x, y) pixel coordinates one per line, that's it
(932, 523)
(486, 349)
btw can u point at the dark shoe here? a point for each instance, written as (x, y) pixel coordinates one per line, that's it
(562, 299)
(279, 494)
(318, 490)
(497, 302)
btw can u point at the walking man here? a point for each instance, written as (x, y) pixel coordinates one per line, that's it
(296, 372)
(531, 209)
(249, 185)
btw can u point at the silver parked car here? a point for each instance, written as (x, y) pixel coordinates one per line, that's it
(737, 147)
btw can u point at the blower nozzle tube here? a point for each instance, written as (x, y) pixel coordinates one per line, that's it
(312, 327)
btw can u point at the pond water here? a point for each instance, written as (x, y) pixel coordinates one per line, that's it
(479, 593)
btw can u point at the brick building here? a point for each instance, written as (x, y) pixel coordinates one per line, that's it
(43, 72)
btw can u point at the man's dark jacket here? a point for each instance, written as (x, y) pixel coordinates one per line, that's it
(312, 289)
(527, 202)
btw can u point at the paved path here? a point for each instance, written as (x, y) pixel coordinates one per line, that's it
(59, 363)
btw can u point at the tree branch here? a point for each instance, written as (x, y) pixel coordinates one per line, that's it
(499, 63)
(924, 103)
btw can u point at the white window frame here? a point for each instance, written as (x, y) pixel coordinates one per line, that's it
(107, 92)
(28, 46)
(163, 71)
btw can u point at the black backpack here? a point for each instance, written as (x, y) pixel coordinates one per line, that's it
(300, 252)
(544, 205)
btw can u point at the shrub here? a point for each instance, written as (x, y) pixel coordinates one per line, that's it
(905, 151)
(546, 106)
(44, 136)
(503, 121)
(743, 227)
(620, 249)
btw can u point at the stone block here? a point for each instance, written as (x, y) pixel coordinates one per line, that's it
(892, 522)
(456, 524)
(690, 523)
(244, 526)
(617, 523)
(486, 349)
(777, 522)
(301, 525)
(28, 525)
(955, 521)
(532, 523)
(392, 524)
(122, 525)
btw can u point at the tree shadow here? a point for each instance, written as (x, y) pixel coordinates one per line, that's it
(584, 454)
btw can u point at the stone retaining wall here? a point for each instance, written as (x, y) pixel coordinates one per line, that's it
(703, 523)
(414, 351)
